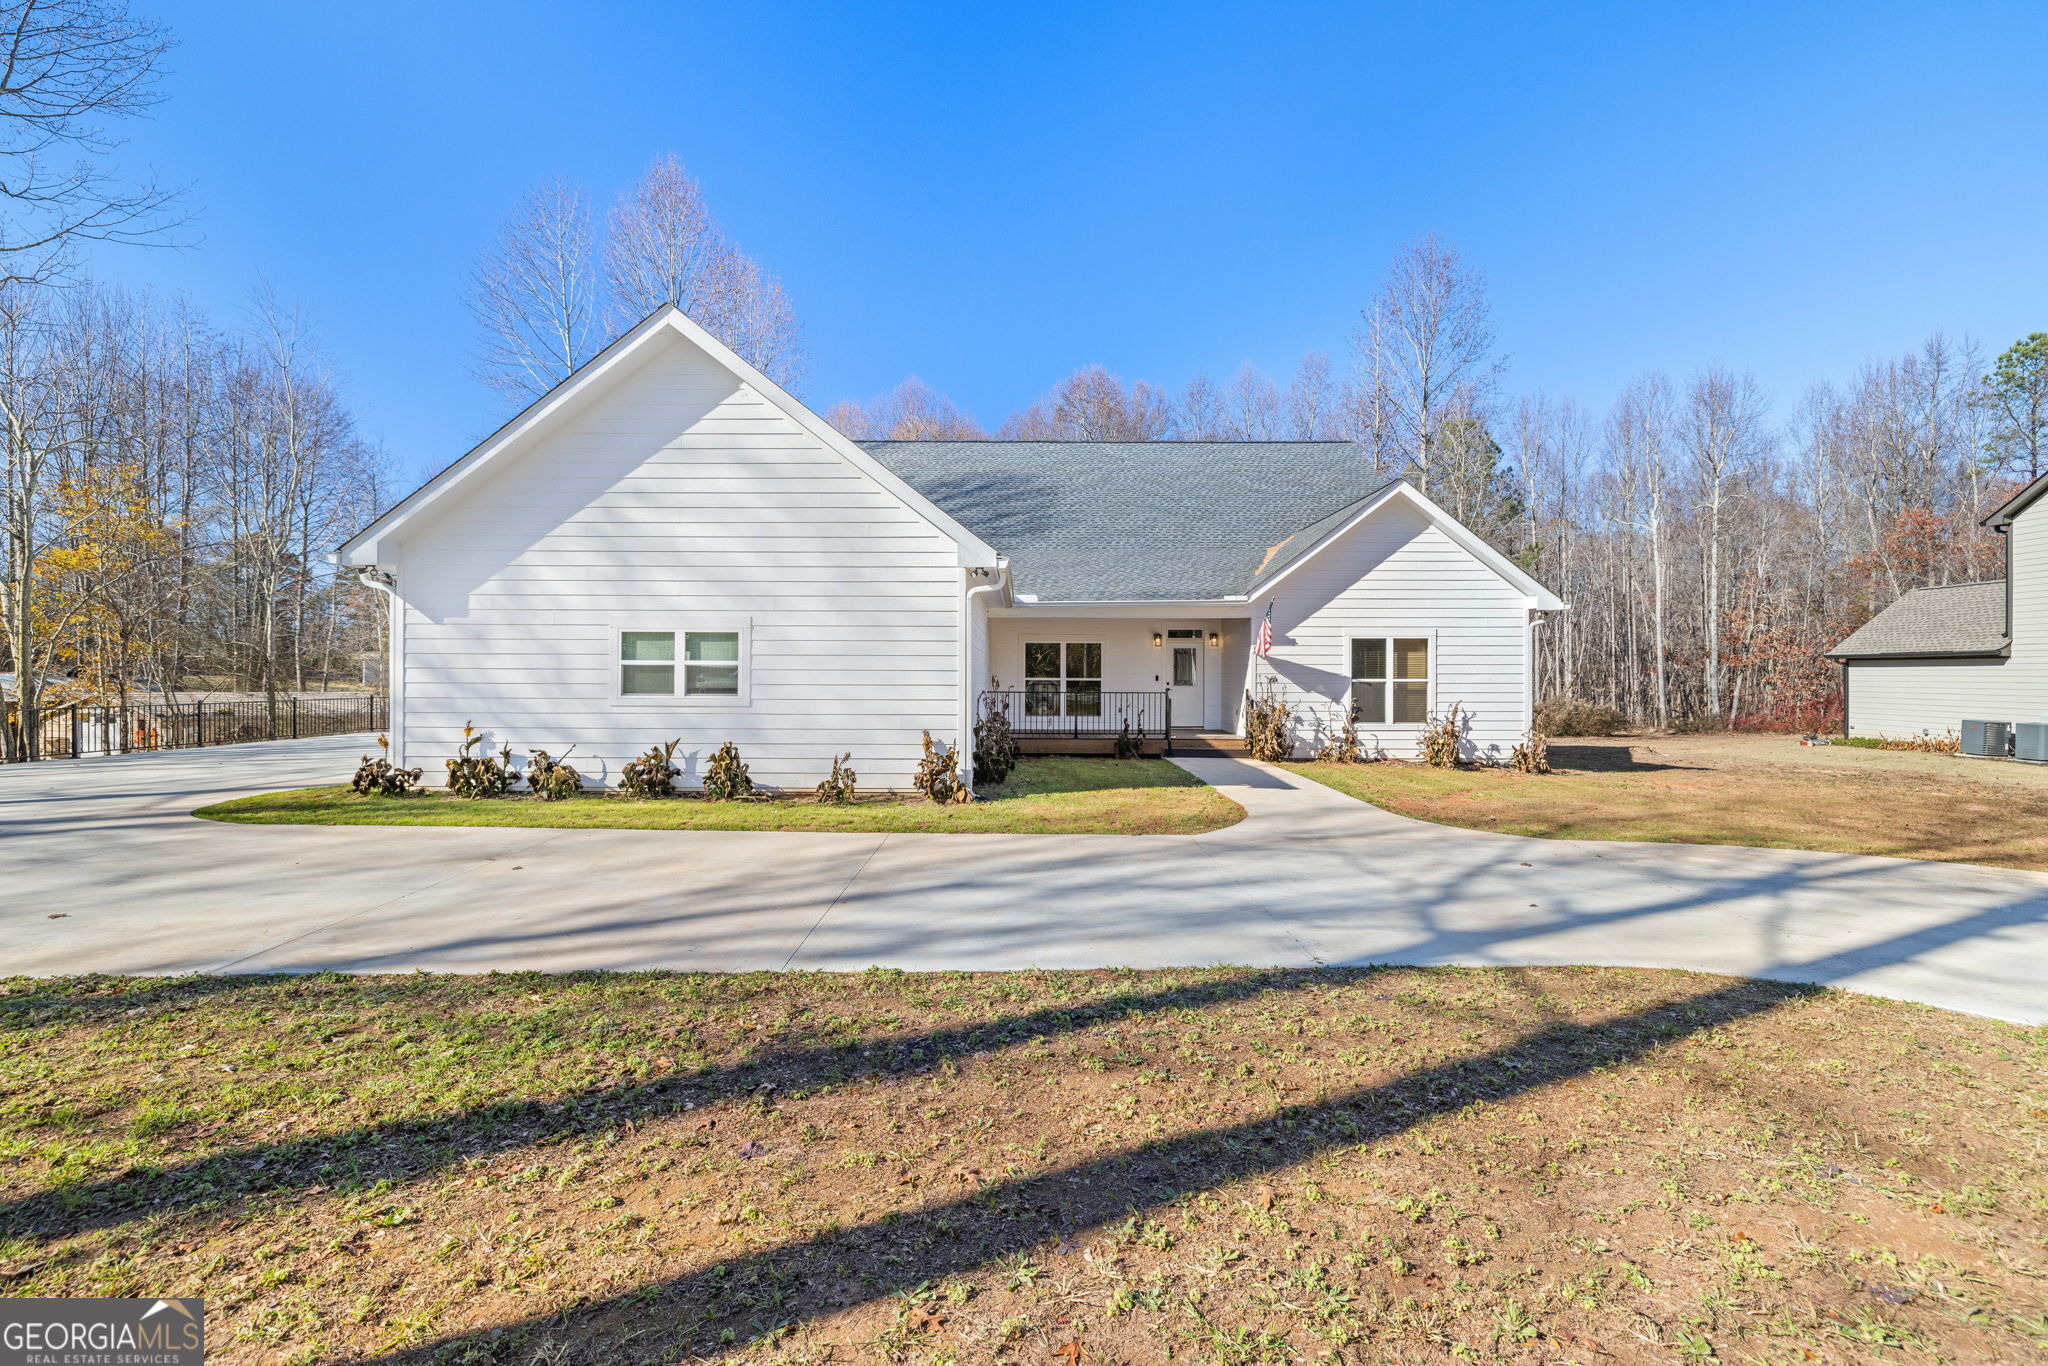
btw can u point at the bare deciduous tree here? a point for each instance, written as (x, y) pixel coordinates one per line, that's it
(68, 68)
(912, 411)
(534, 295)
(1425, 353)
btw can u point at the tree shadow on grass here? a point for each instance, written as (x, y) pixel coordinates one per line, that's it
(411, 1149)
(728, 1304)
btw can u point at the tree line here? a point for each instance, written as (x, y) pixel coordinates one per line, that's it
(1710, 548)
(171, 490)
(169, 485)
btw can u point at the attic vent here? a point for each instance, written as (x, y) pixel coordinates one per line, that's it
(2030, 742)
(1987, 739)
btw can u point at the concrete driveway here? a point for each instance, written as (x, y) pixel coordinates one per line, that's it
(103, 870)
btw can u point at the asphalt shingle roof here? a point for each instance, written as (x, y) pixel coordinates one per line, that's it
(1096, 521)
(1963, 618)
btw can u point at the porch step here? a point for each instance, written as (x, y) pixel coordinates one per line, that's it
(1211, 742)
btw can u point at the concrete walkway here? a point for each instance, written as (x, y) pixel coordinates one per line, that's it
(103, 870)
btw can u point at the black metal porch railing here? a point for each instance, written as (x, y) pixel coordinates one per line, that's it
(1084, 712)
(86, 731)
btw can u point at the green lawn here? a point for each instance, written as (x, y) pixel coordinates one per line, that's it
(1045, 796)
(1527, 1166)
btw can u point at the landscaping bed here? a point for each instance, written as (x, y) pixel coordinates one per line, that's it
(1411, 1165)
(1760, 790)
(1045, 796)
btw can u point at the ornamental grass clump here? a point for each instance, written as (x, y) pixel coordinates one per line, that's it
(1442, 738)
(938, 774)
(995, 743)
(726, 779)
(552, 779)
(653, 774)
(837, 789)
(1268, 728)
(379, 777)
(473, 774)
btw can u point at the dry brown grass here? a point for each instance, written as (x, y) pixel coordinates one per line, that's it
(1520, 1165)
(1761, 790)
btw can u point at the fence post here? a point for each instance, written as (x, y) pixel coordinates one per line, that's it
(198, 725)
(1166, 749)
(295, 718)
(77, 735)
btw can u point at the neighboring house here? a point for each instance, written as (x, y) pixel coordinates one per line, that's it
(668, 544)
(1971, 651)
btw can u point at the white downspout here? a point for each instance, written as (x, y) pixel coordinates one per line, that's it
(967, 682)
(384, 582)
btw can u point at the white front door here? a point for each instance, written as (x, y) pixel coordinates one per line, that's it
(1184, 681)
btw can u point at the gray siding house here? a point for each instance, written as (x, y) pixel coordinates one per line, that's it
(1970, 651)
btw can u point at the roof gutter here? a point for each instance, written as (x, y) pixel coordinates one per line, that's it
(1997, 652)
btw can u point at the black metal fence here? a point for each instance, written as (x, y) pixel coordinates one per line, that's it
(1083, 712)
(85, 730)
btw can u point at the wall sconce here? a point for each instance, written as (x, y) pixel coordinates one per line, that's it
(1215, 640)
(1157, 640)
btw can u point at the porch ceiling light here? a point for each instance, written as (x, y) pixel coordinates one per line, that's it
(1157, 640)
(1215, 639)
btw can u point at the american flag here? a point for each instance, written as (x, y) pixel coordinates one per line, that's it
(1263, 646)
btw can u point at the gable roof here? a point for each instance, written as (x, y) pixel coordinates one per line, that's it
(2002, 516)
(1120, 521)
(661, 326)
(1161, 521)
(1960, 619)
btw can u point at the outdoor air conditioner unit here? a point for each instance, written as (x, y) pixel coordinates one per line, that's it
(1987, 739)
(2030, 742)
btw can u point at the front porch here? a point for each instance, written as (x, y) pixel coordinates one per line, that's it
(1074, 684)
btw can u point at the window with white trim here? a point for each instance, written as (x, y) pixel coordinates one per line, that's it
(1063, 678)
(691, 663)
(1390, 677)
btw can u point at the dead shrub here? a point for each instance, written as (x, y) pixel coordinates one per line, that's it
(837, 789)
(1532, 755)
(653, 774)
(472, 774)
(1950, 743)
(1443, 737)
(995, 743)
(1341, 747)
(379, 777)
(1268, 727)
(938, 774)
(726, 779)
(1570, 716)
(552, 779)
(1129, 744)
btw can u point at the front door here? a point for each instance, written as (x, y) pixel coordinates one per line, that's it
(1184, 681)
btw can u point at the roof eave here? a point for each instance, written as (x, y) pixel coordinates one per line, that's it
(1849, 657)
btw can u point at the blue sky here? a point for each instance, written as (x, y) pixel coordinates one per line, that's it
(991, 195)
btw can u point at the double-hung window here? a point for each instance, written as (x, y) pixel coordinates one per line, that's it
(690, 663)
(1063, 678)
(1390, 678)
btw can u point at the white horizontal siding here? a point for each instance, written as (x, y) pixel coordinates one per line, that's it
(1901, 697)
(678, 494)
(1396, 574)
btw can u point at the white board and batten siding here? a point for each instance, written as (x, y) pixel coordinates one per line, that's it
(1397, 574)
(680, 498)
